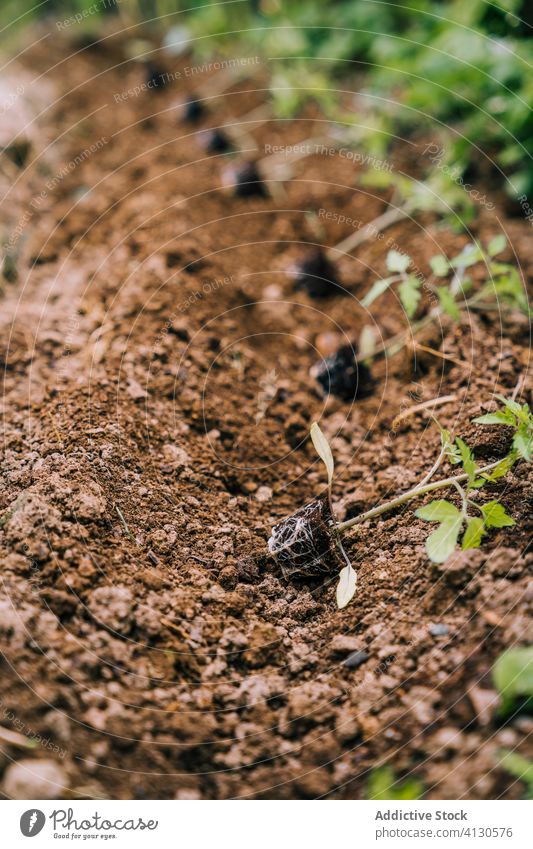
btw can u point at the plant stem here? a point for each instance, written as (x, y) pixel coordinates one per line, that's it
(386, 219)
(420, 489)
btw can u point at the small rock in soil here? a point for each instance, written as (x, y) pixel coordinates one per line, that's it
(33, 779)
(342, 375)
(355, 659)
(438, 630)
(245, 180)
(315, 274)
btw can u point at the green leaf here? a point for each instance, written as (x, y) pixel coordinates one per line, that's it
(409, 291)
(495, 516)
(523, 443)
(504, 417)
(383, 785)
(397, 261)
(323, 450)
(470, 255)
(439, 265)
(448, 303)
(377, 289)
(438, 511)
(496, 245)
(511, 405)
(502, 468)
(513, 677)
(472, 535)
(520, 767)
(346, 586)
(469, 464)
(442, 542)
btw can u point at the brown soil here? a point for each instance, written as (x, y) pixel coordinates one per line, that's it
(156, 406)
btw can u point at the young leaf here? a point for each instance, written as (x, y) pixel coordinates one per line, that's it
(398, 262)
(469, 464)
(502, 468)
(447, 303)
(409, 291)
(495, 516)
(472, 535)
(503, 417)
(470, 255)
(442, 542)
(377, 289)
(323, 450)
(367, 342)
(523, 443)
(439, 265)
(346, 586)
(438, 511)
(520, 767)
(496, 245)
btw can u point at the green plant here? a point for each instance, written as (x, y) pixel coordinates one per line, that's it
(520, 767)
(384, 786)
(503, 289)
(304, 534)
(513, 678)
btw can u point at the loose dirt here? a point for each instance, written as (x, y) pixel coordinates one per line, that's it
(156, 407)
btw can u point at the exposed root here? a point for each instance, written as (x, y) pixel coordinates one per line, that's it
(303, 543)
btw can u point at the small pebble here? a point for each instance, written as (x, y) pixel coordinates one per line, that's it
(34, 779)
(355, 659)
(438, 630)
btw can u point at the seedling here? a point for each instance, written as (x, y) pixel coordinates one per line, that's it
(244, 180)
(503, 291)
(304, 542)
(315, 274)
(214, 141)
(341, 374)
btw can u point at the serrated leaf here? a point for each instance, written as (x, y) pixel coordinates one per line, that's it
(469, 464)
(447, 302)
(495, 516)
(470, 255)
(439, 265)
(472, 535)
(323, 450)
(496, 245)
(502, 468)
(500, 417)
(438, 511)
(377, 289)
(442, 542)
(511, 405)
(409, 291)
(397, 261)
(346, 586)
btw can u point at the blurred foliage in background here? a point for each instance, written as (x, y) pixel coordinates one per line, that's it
(460, 68)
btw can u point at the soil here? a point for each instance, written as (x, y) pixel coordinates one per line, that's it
(156, 408)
